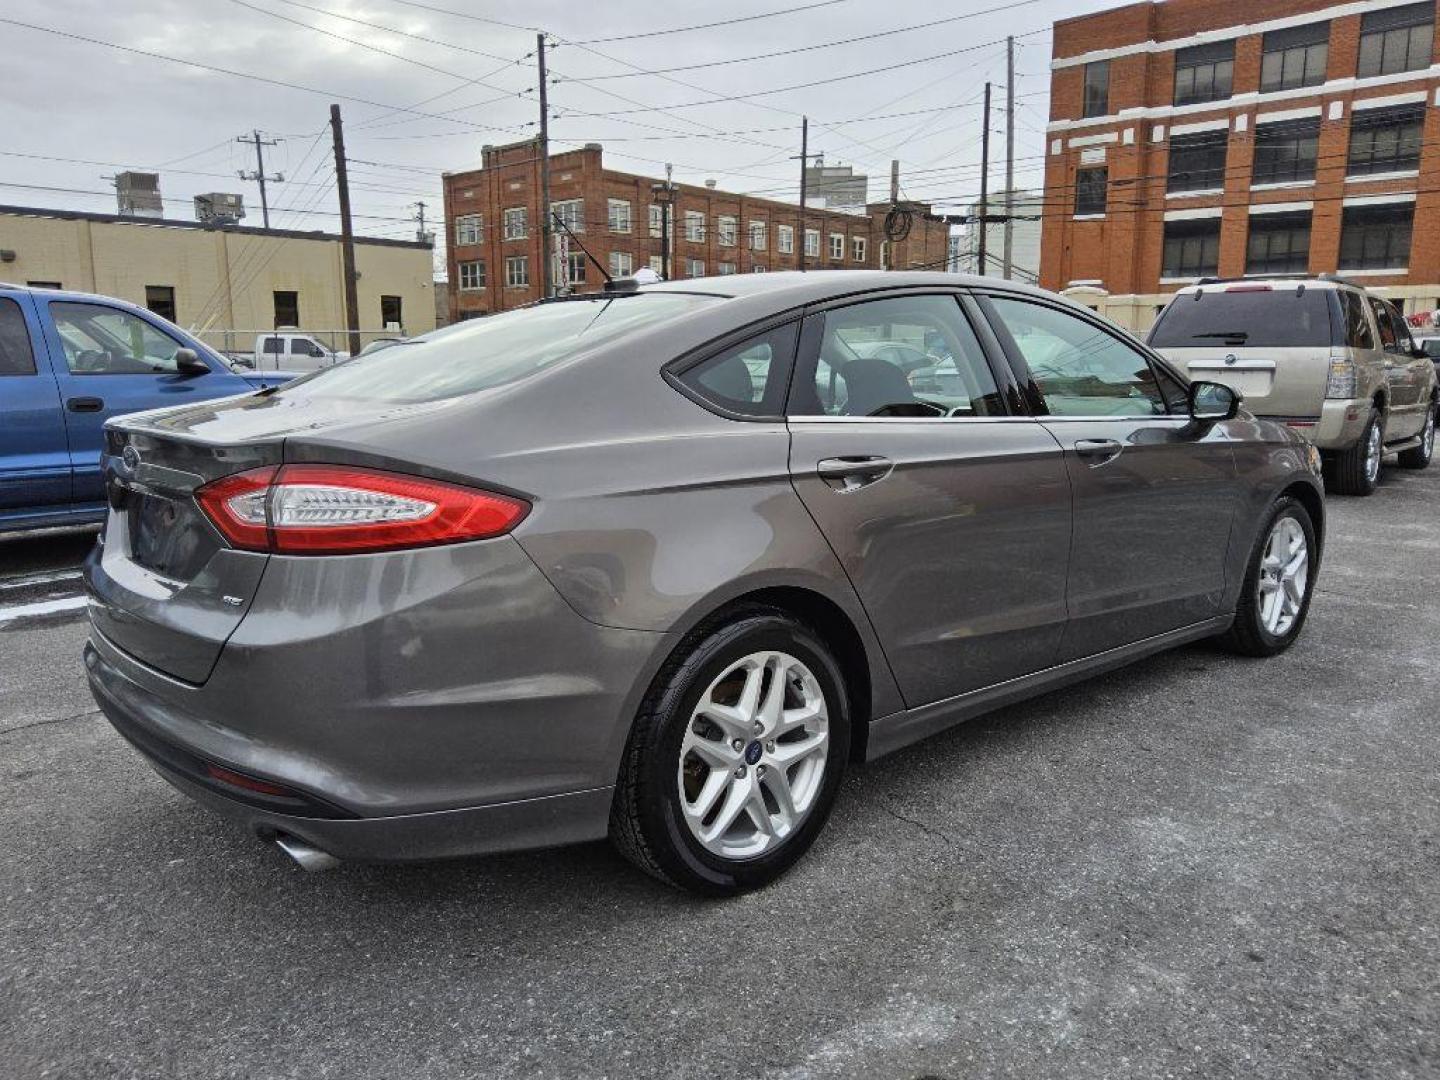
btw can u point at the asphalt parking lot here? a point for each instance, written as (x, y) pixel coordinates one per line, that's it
(1198, 866)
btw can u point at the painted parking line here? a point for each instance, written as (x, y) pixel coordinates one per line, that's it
(25, 581)
(41, 607)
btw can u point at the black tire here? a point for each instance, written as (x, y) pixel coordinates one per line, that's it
(1348, 473)
(646, 825)
(1248, 635)
(1418, 457)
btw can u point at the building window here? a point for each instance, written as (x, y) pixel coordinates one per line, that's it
(812, 243)
(657, 221)
(1396, 39)
(725, 268)
(728, 229)
(622, 264)
(472, 275)
(617, 213)
(1278, 244)
(857, 249)
(884, 254)
(1285, 152)
(515, 222)
(657, 263)
(571, 212)
(694, 227)
(287, 308)
(1204, 72)
(1295, 57)
(575, 268)
(1096, 101)
(785, 239)
(43, 285)
(695, 267)
(1192, 249)
(390, 312)
(1386, 140)
(757, 269)
(517, 271)
(1376, 237)
(1091, 189)
(161, 300)
(468, 229)
(837, 246)
(757, 236)
(1197, 162)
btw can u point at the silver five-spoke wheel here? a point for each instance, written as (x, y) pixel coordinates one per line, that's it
(752, 760)
(1284, 573)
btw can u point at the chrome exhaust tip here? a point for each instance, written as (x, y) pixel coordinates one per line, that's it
(306, 855)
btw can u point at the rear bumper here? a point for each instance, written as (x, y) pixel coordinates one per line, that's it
(1338, 427)
(429, 704)
(543, 821)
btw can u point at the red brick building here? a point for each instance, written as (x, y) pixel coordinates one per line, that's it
(1197, 138)
(493, 223)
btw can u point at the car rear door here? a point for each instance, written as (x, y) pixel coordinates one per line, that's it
(110, 361)
(34, 458)
(1155, 492)
(949, 511)
(1407, 375)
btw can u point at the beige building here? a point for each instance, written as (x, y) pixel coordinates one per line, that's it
(224, 283)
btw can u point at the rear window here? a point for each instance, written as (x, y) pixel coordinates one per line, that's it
(484, 353)
(1280, 318)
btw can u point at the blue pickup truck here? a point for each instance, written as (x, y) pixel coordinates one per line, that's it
(68, 362)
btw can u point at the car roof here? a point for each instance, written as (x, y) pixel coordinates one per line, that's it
(795, 287)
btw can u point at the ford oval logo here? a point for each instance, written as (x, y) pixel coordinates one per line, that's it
(131, 457)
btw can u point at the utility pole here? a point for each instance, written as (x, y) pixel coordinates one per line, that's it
(805, 157)
(984, 179)
(259, 173)
(547, 269)
(665, 192)
(1009, 153)
(347, 237)
(894, 181)
(420, 233)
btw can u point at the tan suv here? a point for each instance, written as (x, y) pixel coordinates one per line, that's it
(1318, 354)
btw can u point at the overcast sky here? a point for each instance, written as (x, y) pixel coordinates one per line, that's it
(473, 82)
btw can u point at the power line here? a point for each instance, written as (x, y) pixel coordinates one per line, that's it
(802, 48)
(709, 25)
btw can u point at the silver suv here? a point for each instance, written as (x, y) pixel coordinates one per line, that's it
(1318, 354)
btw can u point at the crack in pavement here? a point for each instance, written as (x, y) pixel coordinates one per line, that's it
(928, 830)
(52, 720)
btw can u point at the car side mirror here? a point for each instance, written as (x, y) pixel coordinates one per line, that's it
(188, 362)
(1213, 402)
(1419, 353)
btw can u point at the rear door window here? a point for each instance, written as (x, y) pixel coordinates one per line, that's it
(17, 356)
(1358, 334)
(903, 356)
(1252, 316)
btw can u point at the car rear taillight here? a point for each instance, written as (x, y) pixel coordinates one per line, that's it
(337, 510)
(1341, 381)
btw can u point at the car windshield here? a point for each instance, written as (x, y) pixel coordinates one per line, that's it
(484, 353)
(1280, 318)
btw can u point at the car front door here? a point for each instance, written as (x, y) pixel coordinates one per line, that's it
(109, 361)
(1407, 375)
(949, 512)
(1155, 492)
(34, 460)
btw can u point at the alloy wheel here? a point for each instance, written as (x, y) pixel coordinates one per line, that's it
(1373, 448)
(1427, 438)
(1284, 574)
(753, 757)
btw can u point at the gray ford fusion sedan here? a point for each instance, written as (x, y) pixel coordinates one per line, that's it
(659, 563)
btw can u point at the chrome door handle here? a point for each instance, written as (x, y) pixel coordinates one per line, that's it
(1098, 451)
(849, 473)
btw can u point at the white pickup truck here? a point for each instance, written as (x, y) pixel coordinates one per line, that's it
(287, 350)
